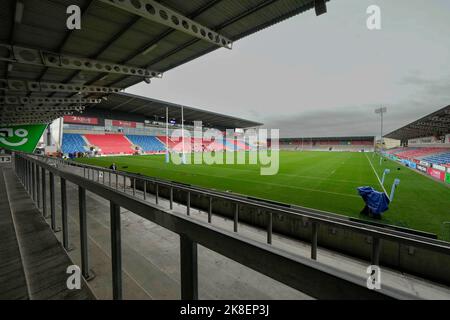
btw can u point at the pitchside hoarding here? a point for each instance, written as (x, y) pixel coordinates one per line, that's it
(21, 137)
(421, 168)
(447, 177)
(436, 174)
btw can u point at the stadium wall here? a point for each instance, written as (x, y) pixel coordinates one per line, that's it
(416, 261)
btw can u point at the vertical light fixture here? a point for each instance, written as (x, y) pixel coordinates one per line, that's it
(381, 111)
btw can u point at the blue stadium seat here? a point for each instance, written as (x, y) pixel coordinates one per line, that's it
(230, 145)
(442, 158)
(147, 143)
(73, 143)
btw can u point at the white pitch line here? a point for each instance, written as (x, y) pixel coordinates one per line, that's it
(377, 175)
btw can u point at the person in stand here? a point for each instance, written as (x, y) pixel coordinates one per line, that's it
(113, 167)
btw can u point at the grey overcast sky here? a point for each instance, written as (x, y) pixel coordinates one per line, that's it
(323, 76)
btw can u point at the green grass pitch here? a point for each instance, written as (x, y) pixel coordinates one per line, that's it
(320, 180)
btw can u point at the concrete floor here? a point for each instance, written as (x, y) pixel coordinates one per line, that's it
(151, 257)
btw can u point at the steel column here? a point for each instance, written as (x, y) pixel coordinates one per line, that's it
(376, 249)
(83, 232)
(145, 190)
(210, 210)
(189, 268)
(171, 198)
(38, 186)
(33, 181)
(236, 217)
(269, 228)
(116, 251)
(314, 236)
(65, 225)
(52, 202)
(188, 204)
(44, 194)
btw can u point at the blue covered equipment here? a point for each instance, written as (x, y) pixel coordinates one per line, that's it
(376, 202)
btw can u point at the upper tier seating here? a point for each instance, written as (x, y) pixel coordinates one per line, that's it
(147, 143)
(110, 143)
(73, 143)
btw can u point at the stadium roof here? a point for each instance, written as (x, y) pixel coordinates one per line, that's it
(120, 43)
(154, 109)
(434, 124)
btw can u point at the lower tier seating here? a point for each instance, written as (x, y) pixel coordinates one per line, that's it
(147, 143)
(110, 143)
(73, 143)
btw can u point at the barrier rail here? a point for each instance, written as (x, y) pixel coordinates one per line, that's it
(313, 216)
(309, 276)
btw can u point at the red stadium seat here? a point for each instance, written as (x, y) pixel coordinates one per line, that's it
(110, 143)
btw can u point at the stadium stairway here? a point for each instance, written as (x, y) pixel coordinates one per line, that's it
(33, 263)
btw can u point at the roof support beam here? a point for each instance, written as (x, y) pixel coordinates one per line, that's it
(431, 129)
(44, 100)
(156, 12)
(25, 55)
(441, 119)
(34, 108)
(34, 86)
(433, 124)
(122, 104)
(222, 26)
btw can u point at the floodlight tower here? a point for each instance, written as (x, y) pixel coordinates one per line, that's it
(381, 111)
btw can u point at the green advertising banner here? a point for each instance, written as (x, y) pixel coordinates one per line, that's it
(21, 137)
(447, 177)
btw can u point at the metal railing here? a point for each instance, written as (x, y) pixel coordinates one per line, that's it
(315, 217)
(297, 272)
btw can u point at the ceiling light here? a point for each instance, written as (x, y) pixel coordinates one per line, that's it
(151, 48)
(19, 12)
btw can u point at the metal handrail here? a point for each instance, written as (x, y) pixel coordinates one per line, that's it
(312, 215)
(297, 272)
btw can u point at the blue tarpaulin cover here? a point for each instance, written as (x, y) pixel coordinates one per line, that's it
(376, 201)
